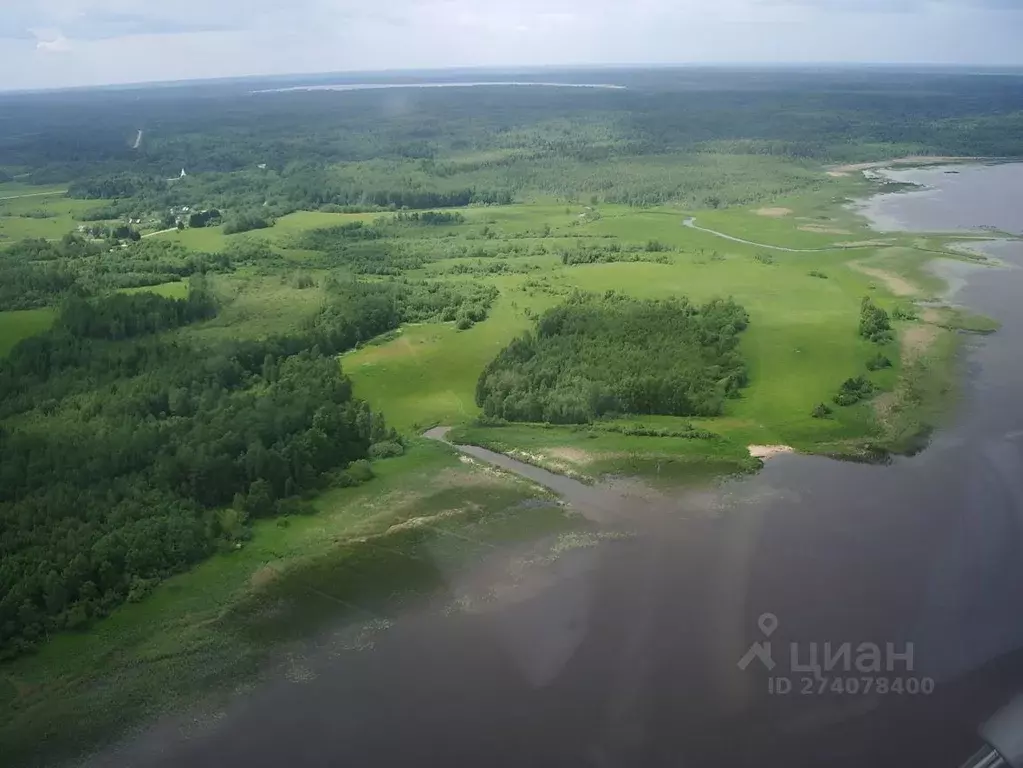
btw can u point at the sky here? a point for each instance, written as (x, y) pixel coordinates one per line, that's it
(60, 43)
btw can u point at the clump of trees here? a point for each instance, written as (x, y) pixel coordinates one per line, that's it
(246, 222)
(361, 249)
(408, 198)
(878, 362)
(614, 252)
(854, 390)
(34, 272)
(125, 232)
(688, 433)
(594, 356)
(71, 246)
(204, 218)
(480, 267)
(326, 238)
(874, 322)
(430, 218)
(115, 185)
(821, 411)
(115, 209)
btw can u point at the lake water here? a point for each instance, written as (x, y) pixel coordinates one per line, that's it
(385, 86)
(951, 198)
(626, 654)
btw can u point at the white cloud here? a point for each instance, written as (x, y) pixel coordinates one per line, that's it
(133, 40)
(51, 41)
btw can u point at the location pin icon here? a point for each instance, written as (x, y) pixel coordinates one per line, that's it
(767, 622)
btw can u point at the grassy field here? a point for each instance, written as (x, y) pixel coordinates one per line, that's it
(802, 342)
(203, 631)
(257, 306)
(17, 189)
(817, 220)
(427, 375)
(213, 239)
(46, 216)
(178, 290)
(19, 324)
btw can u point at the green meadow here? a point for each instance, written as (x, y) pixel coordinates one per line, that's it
(16, 325)
(16, 189)
(47, 216)
(178, 290)
(801, 344)
(213, 239)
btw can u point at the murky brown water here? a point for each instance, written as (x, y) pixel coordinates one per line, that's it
(627, 653)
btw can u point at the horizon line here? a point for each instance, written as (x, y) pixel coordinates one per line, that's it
(985, 69)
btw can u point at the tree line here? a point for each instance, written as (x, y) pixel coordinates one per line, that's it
(124, 316)
(615, 252)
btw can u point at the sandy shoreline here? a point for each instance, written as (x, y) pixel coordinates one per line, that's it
(765, 452)
(846, 170)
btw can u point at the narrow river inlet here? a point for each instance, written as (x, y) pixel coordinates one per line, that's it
(665, 647)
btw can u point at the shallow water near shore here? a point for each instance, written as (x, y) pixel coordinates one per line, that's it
(950, 198)
(627, 653)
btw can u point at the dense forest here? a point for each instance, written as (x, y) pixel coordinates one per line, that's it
(126, 455)
(594, 356)
(262, 155)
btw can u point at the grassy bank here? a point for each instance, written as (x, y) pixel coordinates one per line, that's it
(590, 452)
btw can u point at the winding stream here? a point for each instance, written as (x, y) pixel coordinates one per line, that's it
(627, 654)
